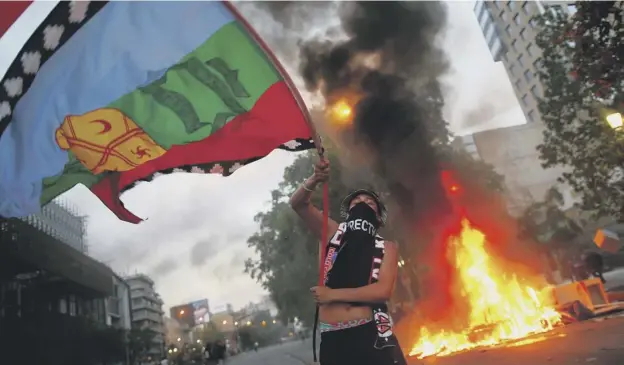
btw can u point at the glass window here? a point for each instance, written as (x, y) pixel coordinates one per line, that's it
(516, 19)
(522, 33)
(531, 116)
(538, 63)
(533, 23)
(525, 7)
(63, 305)
(534, 91)
(521, 60)
(530, 49)
(528, 75)
(525, 99)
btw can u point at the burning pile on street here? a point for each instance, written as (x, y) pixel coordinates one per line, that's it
(502, 307)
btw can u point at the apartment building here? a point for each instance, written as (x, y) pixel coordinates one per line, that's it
(510, 32)
(512, 151)
(147, 312)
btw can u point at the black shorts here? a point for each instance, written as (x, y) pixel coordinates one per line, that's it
(356, 346)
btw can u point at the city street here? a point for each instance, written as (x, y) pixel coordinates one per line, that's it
(290, 353)
(599, 342)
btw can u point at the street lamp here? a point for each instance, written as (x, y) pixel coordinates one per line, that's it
(615, 120)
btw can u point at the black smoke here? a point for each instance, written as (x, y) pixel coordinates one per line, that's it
(392, 58)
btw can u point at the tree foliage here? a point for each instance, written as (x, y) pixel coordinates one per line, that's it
(140, 340)
(546, 222)
(582, 70)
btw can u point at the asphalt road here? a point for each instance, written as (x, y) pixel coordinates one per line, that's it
(290, 353)
(615, 279)
(594, 342)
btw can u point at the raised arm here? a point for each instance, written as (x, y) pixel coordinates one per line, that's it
(300, 201)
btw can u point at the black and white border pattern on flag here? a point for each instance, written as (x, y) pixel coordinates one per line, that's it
(58, 27)
(226, 168)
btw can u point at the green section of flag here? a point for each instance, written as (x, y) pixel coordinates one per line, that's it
(73, 173)
(222, 78)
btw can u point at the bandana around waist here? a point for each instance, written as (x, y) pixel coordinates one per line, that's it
(342, 325)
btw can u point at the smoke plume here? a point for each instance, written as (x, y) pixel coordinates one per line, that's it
(391, 60)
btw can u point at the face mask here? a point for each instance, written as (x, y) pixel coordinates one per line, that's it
(363, 212)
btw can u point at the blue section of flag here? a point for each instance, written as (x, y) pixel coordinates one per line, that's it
(125, 45)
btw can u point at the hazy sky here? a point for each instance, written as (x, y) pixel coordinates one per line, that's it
(194, 242)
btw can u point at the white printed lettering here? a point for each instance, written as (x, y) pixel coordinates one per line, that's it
(338, 235)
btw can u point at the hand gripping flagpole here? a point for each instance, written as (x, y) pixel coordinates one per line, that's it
(316, 138)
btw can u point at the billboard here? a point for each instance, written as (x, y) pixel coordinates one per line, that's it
(200, 311)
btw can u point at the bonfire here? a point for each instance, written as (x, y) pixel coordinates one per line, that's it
(502, 308)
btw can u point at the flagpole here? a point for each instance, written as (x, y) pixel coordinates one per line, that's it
(315, 136)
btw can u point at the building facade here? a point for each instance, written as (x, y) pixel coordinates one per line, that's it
(511, 24)
(512, 151)
(51, 293)
(147, 312)
(59, 221)
(118, 307)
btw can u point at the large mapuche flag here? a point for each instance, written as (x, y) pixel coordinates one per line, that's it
(107, 94)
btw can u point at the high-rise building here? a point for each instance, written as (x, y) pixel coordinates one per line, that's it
(510, 32)
(147, 312)
(512, 151)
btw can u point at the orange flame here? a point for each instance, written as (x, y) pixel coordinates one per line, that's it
(341, 112)
(501, 307)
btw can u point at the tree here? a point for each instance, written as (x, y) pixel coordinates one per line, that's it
(582, 70)
(545, 222)
(288, 254)
(139, 342)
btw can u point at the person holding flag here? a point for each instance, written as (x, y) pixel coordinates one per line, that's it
(359, 270)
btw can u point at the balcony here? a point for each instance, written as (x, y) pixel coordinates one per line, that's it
(146, 315)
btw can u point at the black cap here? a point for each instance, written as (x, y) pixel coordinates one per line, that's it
(344, 206)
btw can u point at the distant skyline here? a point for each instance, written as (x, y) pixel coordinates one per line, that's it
(194, 241)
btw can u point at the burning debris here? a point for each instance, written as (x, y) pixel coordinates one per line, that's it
(501, 306)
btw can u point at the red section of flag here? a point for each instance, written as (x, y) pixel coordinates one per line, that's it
(9, 12)
(274, 119)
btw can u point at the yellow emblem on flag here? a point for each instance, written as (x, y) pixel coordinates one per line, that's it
(107, 140)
